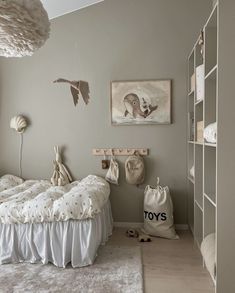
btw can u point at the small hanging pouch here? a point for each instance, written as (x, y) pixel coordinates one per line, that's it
(112, 175)
(135, 171)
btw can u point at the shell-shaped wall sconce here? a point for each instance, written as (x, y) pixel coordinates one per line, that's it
(19, 123)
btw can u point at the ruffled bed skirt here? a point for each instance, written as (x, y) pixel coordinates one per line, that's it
(60, 243)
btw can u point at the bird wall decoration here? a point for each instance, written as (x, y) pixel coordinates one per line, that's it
(77, 88)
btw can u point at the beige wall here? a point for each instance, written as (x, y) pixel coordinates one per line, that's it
(226, 150)
(114, 40)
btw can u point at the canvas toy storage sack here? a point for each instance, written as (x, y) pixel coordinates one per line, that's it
(134, 168)
(158, 212)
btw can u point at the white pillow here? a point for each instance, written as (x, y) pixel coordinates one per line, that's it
(208, 252)
(9, 181)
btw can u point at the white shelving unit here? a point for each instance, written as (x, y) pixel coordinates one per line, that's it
(202, 189)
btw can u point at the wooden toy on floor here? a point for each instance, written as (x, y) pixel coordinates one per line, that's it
(132, 233)
(144, 238)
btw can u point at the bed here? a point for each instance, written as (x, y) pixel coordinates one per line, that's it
(57, 224)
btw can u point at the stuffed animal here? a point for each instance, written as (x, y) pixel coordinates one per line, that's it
(135, 234)
(60, 175)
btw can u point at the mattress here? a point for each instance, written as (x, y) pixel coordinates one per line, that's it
(60, 243)
(37, 201)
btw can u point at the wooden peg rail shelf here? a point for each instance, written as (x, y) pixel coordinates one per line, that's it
(119, 152)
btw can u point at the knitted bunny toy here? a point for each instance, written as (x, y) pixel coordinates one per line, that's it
(60, 175)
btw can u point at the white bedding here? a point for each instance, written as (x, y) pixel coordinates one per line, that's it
(60, 243)
(35, 201)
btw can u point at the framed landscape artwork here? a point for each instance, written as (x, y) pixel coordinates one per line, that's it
(141, 102)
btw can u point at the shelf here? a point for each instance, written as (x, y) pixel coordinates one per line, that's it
(197, 203)
(190, 156)
(210, 172)
(191, 55)
(212, 20)
(198, 224)
(198, 165)
(210, 200)
(191, 66)
(214, 145)
(212, 73)
(199, 110)
(190, 93)
(191, 179)
(209, 218)
(202, 105)
(198, 102)
(191, 205)
(198, 55)
(199, 142)
(211, 43)
(210, 101)
(214, 280)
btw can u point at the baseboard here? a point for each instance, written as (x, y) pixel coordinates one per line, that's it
(127, 225)
(181, 227)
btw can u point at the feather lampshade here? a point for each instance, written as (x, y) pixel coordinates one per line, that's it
(24, 27)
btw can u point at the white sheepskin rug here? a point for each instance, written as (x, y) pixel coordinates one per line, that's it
(24, 27)
(117, 269)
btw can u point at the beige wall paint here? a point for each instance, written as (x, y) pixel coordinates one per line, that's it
(114, 40)
(226, 150)
(214, 2)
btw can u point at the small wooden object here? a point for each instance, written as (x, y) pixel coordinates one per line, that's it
(132, 233)
(144, 238)
(105, 164)
(193, 82)
(200, 137)
(119, 152)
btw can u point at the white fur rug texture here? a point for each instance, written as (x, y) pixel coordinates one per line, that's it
(117, 269)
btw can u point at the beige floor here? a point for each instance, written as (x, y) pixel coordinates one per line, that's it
(170, 266)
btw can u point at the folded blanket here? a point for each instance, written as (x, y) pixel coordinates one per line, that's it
(34, 201)
(210, 133)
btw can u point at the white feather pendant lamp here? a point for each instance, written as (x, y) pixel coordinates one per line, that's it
(24, 27)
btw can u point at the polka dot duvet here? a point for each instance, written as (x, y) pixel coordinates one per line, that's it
(35, 201)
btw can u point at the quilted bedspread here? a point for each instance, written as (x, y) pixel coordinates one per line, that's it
(34, 201)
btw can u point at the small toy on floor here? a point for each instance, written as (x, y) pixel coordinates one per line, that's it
(132, 233)
(144, 238)
(135, 234)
